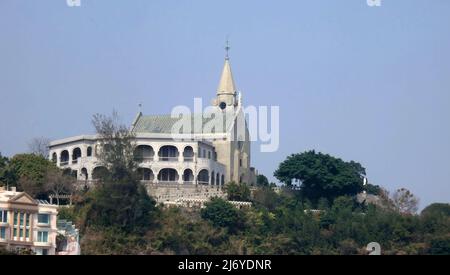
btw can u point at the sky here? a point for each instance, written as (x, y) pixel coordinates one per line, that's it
(369, 84)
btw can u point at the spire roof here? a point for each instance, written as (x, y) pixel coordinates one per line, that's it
(226, 84)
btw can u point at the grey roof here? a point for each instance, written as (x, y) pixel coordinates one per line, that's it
(163, 124)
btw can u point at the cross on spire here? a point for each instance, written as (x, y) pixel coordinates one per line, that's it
(227, 49)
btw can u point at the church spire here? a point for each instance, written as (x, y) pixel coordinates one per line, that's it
(226, 84)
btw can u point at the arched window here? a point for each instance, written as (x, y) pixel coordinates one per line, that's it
(168, 153)
(188, 176)
(212, 178)
(144, 153)
(84, 174)
(54, 157)
(222, 181)
(145, 174)
(168, 175)
(76, 154)
(64, 158)
(203, 177)
(188, 153)
(217, 179)
(89, 151)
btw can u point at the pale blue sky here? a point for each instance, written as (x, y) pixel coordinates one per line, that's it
(365, 84)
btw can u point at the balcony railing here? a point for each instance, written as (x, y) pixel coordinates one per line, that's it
(168, 158)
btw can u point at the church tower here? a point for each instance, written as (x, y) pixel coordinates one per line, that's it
(226, 91)
(235, 149)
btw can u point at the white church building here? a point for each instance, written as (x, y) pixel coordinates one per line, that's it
(204, 157)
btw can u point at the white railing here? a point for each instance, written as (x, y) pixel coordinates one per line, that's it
(168, 158)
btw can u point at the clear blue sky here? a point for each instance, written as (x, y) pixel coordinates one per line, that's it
(361, 83)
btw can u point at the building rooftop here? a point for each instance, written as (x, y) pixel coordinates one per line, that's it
(163, 124)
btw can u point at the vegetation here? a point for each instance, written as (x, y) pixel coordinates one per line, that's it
(321, 175)
(237, 191)
(222, 214)
(315, 212)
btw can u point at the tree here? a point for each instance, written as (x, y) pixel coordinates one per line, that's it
(3, 169)
(58, 184)
(120, 200)
(266, 197)
(262, 180)
(117, 146)
(39, 146)
(222, 214)
(29, 170)
(237, 191)
(30, 187)
(436, 209)
(405, 202)
(436, 218)
(321, 175)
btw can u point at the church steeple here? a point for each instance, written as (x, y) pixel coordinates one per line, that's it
(226, 84)
(226, 91)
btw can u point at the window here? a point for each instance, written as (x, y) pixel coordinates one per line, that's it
(44, 252)
(3, 216)
(27, 233)
(20, 233)
(28, 220)
(209, 154)
(15, 232)
(42, 236)
(15, 218)
(3, 233)
(21, 218)
(240, 162)
(44, 218)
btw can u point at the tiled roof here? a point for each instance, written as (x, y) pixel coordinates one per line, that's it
(163, 124)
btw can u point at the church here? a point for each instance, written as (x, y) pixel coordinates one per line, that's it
(203, 158)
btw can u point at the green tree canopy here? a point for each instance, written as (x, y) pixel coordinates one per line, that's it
(237, 191)
(30, 169)
(3, 169)
(222, 214)
(321, 175)
(437, 209)
(262, 180)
